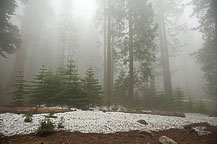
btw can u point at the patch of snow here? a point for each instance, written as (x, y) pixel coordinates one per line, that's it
(201, 130)
(100, 122)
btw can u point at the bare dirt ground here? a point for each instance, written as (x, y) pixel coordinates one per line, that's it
(181, 136)
(162, 113)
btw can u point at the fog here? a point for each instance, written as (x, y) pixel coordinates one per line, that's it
(55, 31)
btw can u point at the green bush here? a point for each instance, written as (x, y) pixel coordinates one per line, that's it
(46, 127)
(28, 117)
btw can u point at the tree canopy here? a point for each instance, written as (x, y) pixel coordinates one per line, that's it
(9, 33)
(206, 11)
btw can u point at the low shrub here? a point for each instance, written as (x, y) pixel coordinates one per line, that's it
(46, 127)
(28, 117)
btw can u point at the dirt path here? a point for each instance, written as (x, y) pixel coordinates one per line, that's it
(33, 110)
(182, 136)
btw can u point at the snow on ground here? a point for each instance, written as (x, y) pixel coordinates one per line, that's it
(99, 122)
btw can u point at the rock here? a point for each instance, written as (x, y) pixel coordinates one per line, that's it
(142, 122)
(166, 140)
(148, 132)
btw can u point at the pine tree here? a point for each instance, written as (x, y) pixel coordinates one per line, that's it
(133, 34)
(72, 92)
(121, 89)
(38, 93)
(190, 105)
(179, 97)
(60, 83)
(52, 89)
(158, 99)
(167, 12)
(92, 89)
(20, 93)
(200, 107)
(206, 12)
(9, 34)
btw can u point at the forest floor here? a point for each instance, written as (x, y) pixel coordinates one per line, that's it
(181, 136)
(103, 126)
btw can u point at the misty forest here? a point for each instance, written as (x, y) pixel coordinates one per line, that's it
(108, 71)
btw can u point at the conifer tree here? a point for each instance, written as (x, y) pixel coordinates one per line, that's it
(179, 97)
(190, 105)
(121, 88)
(200, 107)
(159, 100)
(60, 84)
(72, 92)
(9, 34)
(206, 12)
(166, 12)
(20, 93)
(38, 93)
(52, 89)
(132, 33)
(92, 89)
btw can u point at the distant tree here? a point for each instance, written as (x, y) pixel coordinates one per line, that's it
(120, 89)
(130, 37)
(168, 13)
(68, 37)
(104, 20)
(35, 32)
(149, 98)
(206, 11)
(179, 97)
(9, 34)
(190, 105)
(200, 107)
(38, 93)
(159, 99)
(21, 92)
(92, 89)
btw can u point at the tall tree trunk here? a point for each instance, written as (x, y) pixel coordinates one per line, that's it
(167, 64)
(31, 65)
(105, 46)
(214, 3)
(131, 81)
(19, 65)
(21, 53)
(112, 52)
(62, 53)
(164, 54)
(109, 64)
(152, 84)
